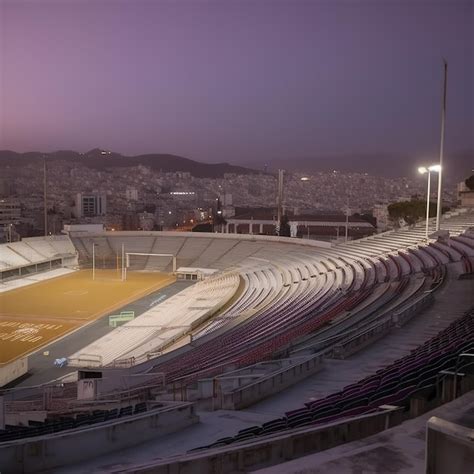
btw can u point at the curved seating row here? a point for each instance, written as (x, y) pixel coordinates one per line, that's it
(161, 324)
(395, 384)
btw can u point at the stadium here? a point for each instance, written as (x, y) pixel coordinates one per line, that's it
(158, 352)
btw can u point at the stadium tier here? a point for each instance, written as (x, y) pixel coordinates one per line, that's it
(287, 290)
(35, 254)
(269, 299)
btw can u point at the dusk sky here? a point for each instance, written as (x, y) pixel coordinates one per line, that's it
(236, 81)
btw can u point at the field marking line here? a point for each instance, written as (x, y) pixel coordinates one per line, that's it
(77, 327)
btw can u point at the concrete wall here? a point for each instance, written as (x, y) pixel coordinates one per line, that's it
(271, 450)
(268, 385)
(73, 446)
(13, 370)
(449, 448)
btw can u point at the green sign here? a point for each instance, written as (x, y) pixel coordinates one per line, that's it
(119, 319)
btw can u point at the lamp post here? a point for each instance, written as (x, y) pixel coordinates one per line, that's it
(346, 211)
(424, 170)
(93, 261)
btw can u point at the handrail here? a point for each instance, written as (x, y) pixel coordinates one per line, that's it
(463, 354)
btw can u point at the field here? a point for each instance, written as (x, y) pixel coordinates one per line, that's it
(34, 315)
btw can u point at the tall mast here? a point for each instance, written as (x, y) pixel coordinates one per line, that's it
(44, 198)
(441, 148)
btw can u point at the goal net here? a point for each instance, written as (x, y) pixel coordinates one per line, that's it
(149, 262)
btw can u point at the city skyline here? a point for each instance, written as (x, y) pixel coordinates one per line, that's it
(244, 82)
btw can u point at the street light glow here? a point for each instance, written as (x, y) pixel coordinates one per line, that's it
(424, 169)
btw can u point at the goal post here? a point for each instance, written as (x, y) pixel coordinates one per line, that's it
(129, 255)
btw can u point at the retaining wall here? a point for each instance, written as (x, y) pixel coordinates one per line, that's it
(266, 386)
(274, 449)
(72, 446)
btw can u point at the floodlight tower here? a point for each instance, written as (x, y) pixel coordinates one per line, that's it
(424, 170)
(45, 203)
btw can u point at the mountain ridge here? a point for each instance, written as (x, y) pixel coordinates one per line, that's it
(101, 159)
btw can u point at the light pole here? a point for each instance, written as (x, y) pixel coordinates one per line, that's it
(441, 148)
(347, 210)
(423, 170)
(93, 261)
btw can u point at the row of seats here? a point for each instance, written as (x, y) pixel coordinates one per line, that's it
(270, 330)
(161, 324)
(197, 251)
(54, 425)
(286, 294)
(35, 250)
(417, 373)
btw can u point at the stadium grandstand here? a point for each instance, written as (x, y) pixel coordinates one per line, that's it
(267, 350)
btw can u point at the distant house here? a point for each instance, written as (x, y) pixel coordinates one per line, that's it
(263, 221)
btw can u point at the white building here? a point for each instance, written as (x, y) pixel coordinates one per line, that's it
(131, 194)
(380, 212)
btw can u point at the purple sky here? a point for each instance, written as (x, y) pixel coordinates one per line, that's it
(235, 80)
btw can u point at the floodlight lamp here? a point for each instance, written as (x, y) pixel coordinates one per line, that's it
(436, 168)
(422, 170)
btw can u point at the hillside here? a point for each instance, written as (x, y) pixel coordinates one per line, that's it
(458, 165)
(101, 159)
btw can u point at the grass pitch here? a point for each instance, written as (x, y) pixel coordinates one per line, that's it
(32, 316)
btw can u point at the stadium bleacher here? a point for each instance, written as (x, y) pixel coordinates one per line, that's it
(274, 298)
(393, 385)
(33, 254)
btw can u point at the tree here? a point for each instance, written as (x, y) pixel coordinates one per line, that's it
(202, 227)
(410, 211)
(285, 230)
(470, 182)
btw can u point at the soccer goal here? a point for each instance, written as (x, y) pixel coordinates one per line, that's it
(146, 261)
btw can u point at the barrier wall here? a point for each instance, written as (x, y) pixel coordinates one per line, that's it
(275, 449)
(275, 382)
(398, 319)
(73, 446)
(449, 447)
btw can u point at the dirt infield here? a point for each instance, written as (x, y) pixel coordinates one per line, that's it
(34, 315)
